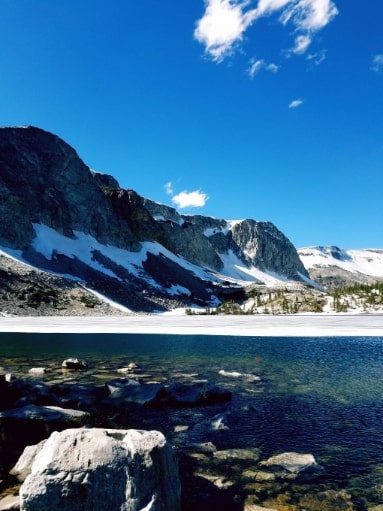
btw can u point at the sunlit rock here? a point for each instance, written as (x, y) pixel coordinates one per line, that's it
(75, 364)
(103, 469)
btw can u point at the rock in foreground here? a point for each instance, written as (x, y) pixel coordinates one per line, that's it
(103, 469)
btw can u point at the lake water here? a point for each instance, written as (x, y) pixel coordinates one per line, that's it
(322, 396)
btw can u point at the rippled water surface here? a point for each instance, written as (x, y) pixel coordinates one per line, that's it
(315, 395)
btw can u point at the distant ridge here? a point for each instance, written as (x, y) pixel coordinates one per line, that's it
(332, 266)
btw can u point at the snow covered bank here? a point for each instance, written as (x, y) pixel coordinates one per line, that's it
(305, 325)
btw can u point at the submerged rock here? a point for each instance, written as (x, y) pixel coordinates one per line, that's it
(250, 506)
(103, 469)
(292, 462)
(237, 454)
(37, 371)
(195, 394)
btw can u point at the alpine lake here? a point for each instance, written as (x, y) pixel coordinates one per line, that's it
(317, 395)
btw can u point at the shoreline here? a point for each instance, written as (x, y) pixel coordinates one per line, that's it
(297, 325)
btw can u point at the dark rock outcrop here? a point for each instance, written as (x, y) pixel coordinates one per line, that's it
(43, 180)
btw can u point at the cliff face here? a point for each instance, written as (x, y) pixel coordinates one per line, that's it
(134, 250)
(42, 180)
(267, 248)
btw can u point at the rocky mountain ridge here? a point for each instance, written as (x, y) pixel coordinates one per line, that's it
(333, 267)
(61, 217)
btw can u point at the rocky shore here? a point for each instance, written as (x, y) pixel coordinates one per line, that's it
(161, 445)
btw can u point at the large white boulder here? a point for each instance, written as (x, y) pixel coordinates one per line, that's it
(101, 469)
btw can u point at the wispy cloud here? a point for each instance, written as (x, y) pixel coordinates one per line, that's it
(317, 58)
(224, 22)
(377, 63)
(295, 103)
(169, 188)
(185, 199)
(302, 42)
(273, 68)
(256, 66)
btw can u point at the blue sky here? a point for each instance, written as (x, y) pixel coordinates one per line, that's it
(266, 109)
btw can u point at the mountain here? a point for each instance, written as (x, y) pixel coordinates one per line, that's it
(61, 218)
(333, 267)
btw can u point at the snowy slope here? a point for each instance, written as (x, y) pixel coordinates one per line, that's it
(50, 243)
(366, 261)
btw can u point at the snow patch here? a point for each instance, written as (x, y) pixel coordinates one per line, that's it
(178, 290)
(210, 231)
(161, 218)
(236, 270)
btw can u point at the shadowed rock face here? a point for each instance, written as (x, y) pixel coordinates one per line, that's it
(42, 180)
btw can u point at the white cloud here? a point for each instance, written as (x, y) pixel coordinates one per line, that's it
(169, 188)
(257, 65)
(377, 63)
(224, 22)
(309, 15)
(196, 199)
(222, 26)
(295, 103)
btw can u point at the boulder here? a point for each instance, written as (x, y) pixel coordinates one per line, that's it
(44, 413)
(31, 424)
(195, 394)
(103, 469)
(119, 383)
(80, 396)
(128, 393)
(23, 467)
(75, 364)
(31, 391)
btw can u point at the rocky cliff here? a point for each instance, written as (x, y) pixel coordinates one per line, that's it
(43, 180)
(60, 216)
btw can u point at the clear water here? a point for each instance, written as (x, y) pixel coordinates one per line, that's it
(322, 396)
